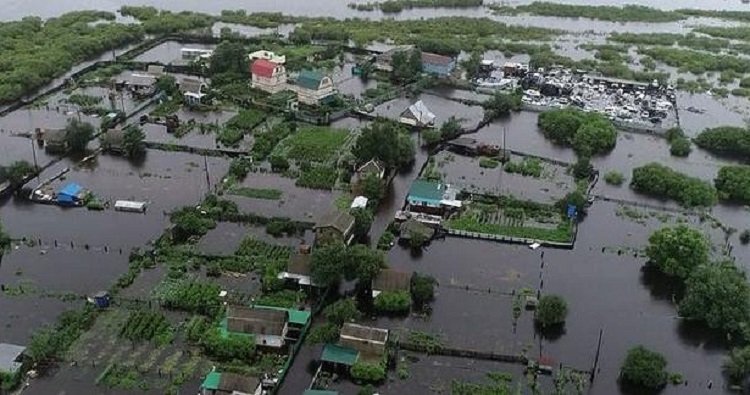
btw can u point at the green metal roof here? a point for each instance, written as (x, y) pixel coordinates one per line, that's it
(423, 190)
(320, 392)
(339, 354)
(309, 79)
(212, 381)
(298, 317)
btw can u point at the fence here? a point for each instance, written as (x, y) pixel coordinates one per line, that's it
(513, 240)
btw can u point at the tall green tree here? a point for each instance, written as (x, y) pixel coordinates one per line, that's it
(644, 368)
(472, 64)
(407, 65)
(737, 365)
(132, 141)
(167, 84)
(386, 141)
(719, 295)
(78, 134)
(551, 311)
(328, 263)
(229, 57)
(4, 240)
(677, 251)
(16, 172)
(363, 218)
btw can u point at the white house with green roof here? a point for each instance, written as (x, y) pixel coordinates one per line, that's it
(313, 87)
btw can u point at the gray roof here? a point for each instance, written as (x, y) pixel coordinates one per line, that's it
(230, 382)
(391, 281)
(337, 219)
(191, 85)
(10, 357)
(54, 135)
(256, 320)
(142, 80)
(366, 333)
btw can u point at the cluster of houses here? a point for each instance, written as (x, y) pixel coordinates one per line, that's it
(269, 74)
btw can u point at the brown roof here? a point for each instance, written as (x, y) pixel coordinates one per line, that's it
(113, 136)
(230, 382)
(54, 135)
(256, 321)
(392, 280)
(337, 219)
(364, 332)
(299, 264)
(190, 85)
(433, 58)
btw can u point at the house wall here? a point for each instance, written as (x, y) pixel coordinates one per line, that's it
(313, 97)
(363, 346)
(269, 341)
(274, 84)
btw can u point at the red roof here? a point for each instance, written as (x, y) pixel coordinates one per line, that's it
(433, 58)
(263, 68)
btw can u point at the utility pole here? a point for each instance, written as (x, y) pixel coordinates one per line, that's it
(33, 152)
(208, 178)
(596, 358)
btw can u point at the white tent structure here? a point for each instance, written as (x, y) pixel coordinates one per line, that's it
(418, 115)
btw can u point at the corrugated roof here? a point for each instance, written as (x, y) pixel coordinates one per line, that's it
(298, 317)
(309, 79)
(71, 189)
(433, 58)
(211, 382)
(190, 85)
(419, 112)
(391, 280)
(256, 320)
(339, 354)
(9, 357)
(426, 190)
(337, 219)
(362, 332)
(230, 382)
(299, 264)
(263, 68)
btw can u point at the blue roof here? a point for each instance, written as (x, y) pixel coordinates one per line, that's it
(71, 190)
(426, 192)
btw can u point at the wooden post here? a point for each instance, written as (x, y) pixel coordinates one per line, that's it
(596, 358)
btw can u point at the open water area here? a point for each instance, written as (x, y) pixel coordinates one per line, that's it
(78, 252)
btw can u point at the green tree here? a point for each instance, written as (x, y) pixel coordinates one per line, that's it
(661, 181)
(363, 218)
(132, 141)
(614, 178)
(575, 198)
(167, 84)
(737, 365)
(472, 64)
(501, 104)
(341, 311)
(407, 65)
(583, 168)
(719, 295)
(726, 140)
(422, 289)
(17, 172)
(386, 141)
(551, 311)
(372, 188)
(680, 147)
(229, 57)
(677, 251)
(78, 134)
(327, 264)
(367, 372)
(450, 129)
(645, 368)
(189, 222)
(594, 136)
(392, 302)
(363, 263)
(733, 183)
(233, 347)
(4, 240)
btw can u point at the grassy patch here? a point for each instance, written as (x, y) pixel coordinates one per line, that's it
(313, 144)
(531, 167)
(123, 377)
(318, 177)
(145, 325)
(256, 193)
(488, 163)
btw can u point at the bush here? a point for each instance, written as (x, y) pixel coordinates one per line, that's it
(727, 140)
(78, 134)
(368, 372)
(489, 163)
(733, 183)
(551, 311)
(341, 311)
(422, 289)
(531, 167)
(278, 163)
(587, 133)
(233, 347)
(745, 236)
(614, 178)
(326, 333)
(661, 181)
(677, 251)
(392, 302)
(189, 222)
(644, 368)
(737, 365)
(680, 147)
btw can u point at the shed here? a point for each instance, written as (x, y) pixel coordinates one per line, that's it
(335, 225)
(222, 383)
(373, 166)
(54, 140)
(389, 280)
(425, 193)
(130, 206)
(437, 64)
(102, 299)
(359, 202)
(298, 269)
(113, 140)
(418, 115)
(11, 357)
(337, 354)
(70, 195)
(268, 326)
(367, 340)
(192, 90)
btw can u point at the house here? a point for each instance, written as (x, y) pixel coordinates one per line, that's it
(389, 280)
(112, 140)
(54, 140)
(71, 194)
(298, 270)
(141, 85)
(335, 225)
(413, 226)
(269, 326)
(384, 61)
(192, 90)
(313, 88)
(339, 356)
(298, 320)
(155, 70)
(418, 115)
(267, 55)
(268, 76)
(11, 358)
(368, 341)
(217, 383)
(431, 197)
(373, 166)
(437, 64)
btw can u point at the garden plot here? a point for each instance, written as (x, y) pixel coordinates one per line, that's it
(522, 177)
(226, 238)
(296, 203)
